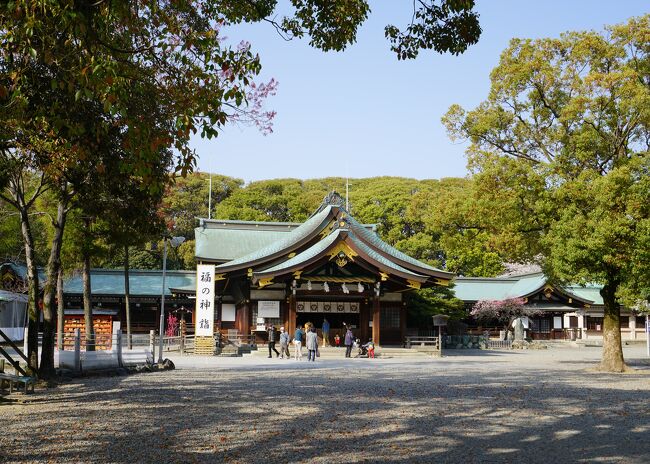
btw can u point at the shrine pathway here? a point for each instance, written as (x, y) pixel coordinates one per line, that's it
(468, 407)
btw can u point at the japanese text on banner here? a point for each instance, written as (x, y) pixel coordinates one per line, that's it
(204, 300)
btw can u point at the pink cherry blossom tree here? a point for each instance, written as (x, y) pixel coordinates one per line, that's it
(502, 311)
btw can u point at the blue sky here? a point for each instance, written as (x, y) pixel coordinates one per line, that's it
(363, 113)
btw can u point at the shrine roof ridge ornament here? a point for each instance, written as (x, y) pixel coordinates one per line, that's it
(333, 198)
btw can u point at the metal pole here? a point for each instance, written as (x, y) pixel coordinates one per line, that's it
(162, 305)
(647, 334)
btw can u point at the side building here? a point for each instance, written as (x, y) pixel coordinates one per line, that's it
(567, 312)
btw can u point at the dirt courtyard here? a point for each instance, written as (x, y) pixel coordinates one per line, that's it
(468, 407)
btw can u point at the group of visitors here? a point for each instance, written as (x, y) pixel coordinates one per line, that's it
(311, 342)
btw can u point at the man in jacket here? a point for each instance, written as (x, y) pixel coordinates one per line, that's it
(312, 344)
(271, 331)
(349, 341)
(284, 343)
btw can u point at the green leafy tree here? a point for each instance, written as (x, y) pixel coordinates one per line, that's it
(424, 304)
(187, 198)
(560, 152)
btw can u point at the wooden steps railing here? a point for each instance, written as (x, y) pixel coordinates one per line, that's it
(15, 364)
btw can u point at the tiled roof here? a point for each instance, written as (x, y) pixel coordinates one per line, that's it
(141, 282)
(501, 288)
(306, 255)
(384, 261)
(376, 242)
(229, 244)
(340, 235)
(591, 292)
(285, 242)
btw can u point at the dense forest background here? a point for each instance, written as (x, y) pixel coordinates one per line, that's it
(428, 219)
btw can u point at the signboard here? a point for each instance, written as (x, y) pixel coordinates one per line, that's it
(204, 300)
(228, 312)
(268, 309)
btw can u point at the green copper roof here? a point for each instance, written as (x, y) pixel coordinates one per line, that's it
(591, 292)
(377, 242)
(475, 289)
(527, 285)
(141, 283)
(501, 288)
(228, 244)
(285, 241)
(306, 255)
(20, 270)
(382, 260)
(321, 246)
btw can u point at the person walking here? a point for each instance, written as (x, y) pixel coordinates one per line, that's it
(312, 344)
(297, 343)
(284, 343)
(348, 342)
(271, 332)
(326, 333)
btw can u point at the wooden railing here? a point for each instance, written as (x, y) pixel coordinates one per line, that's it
(418, 341)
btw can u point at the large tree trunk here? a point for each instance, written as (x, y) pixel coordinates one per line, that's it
(60, 323)
(88, 309)
(49, 293)
(32, 291)
(612, 360)
(127, 306)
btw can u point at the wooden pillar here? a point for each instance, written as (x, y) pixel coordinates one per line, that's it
(242, 319)
(375, 321)
(291, 318)
(402, 322)
(246, 319)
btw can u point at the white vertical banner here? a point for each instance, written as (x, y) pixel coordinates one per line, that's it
(204, 319)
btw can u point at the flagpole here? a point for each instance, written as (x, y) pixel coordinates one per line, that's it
(210, 199)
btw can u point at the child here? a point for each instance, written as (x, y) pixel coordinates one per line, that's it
(337, 341)
(370, 346)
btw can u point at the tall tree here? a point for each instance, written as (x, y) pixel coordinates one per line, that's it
(21, 190)
(560, 152)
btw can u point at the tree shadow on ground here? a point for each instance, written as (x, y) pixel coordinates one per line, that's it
(387, 414)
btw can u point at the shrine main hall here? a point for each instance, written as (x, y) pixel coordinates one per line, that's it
(287, 274)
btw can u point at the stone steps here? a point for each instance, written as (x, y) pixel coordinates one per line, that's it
(338, 353)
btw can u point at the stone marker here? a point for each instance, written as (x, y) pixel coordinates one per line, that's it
(519, 330)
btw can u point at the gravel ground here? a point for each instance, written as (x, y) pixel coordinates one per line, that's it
(470, 406)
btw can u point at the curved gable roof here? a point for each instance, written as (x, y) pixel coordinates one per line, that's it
(284, 244)
(388, 251)
(319, 250)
